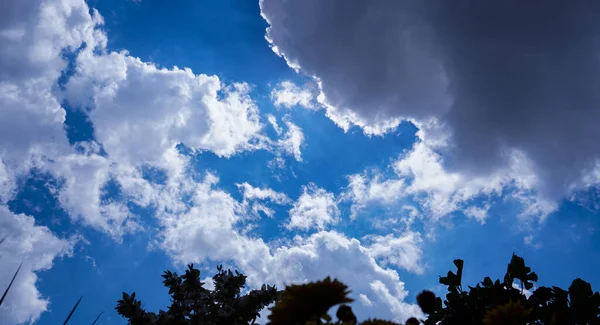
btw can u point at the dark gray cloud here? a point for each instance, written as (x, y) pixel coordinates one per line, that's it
(501, 74)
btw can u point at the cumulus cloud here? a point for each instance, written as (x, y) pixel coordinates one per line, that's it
(501, 76)
(184, 108)
(420, 175)
(315, 208)
(333, 254)
(83, 177)
(287, 94)
(37, 248)
(254, 193)
(364, 189)
(210, 227)
(32, 133)
(292, 140)
(131, 129)
(209, 222)
(401, 251)
(33, 34)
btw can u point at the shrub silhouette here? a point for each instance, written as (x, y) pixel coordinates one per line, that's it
(498, 302)
(191, 303)
(488, 303)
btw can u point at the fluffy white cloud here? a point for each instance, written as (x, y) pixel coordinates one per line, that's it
(210, 227)
(33, 34)
(83, 177)
(206, 229)
(363, 190)
(197, 220)
(184, 108)
(132, 128)
(287, 94)
(333, 254)
(254, 193)
(273, 121)
(510, 83)
(420, 175)
(34, 246)
(292, 141)
(401, 251)
(32, 133)
(315, 208)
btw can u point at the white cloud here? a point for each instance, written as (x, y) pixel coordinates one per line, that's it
(526, 293)
(211, 229)
(273, 121)
(7, 183)
(362, 191)
(288, 95)
(332, 254)
(83, 177)
(292, 140)
(315, 208)
(402, 251)
(421, 175)
(33, 34)
(290, 143)
(184, 108)
(477, 213)
(133, 128)
(37, 248)
(209, 223)
(197, 221)
(365, 300)
(254, 193)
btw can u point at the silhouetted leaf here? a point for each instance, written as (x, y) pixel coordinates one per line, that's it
(10, 284)
(72, 310)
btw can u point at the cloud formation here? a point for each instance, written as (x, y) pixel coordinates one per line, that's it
(37, 248)
(210, 228)
(499, 75)
(315, 208)
(419, 175)
(132, 130)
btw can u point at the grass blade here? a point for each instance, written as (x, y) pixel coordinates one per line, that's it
(10, 284)
(72, 311)
(94, 323)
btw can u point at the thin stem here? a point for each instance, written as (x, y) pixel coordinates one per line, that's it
(72, 311)
(10, 284)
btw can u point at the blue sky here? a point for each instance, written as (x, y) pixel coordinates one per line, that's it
(306, 150)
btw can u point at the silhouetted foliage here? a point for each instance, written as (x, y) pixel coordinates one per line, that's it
(191, 303)
(498, 302)
(11, 282)
(488, 303)
(97, 318)
(72, 311)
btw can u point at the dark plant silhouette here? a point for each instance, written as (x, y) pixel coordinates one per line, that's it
(97, 318)
(498, 302)
(72, 311)
(10, 284)
(191, 303)
(488, 303)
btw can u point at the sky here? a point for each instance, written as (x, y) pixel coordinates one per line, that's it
(293, 140)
